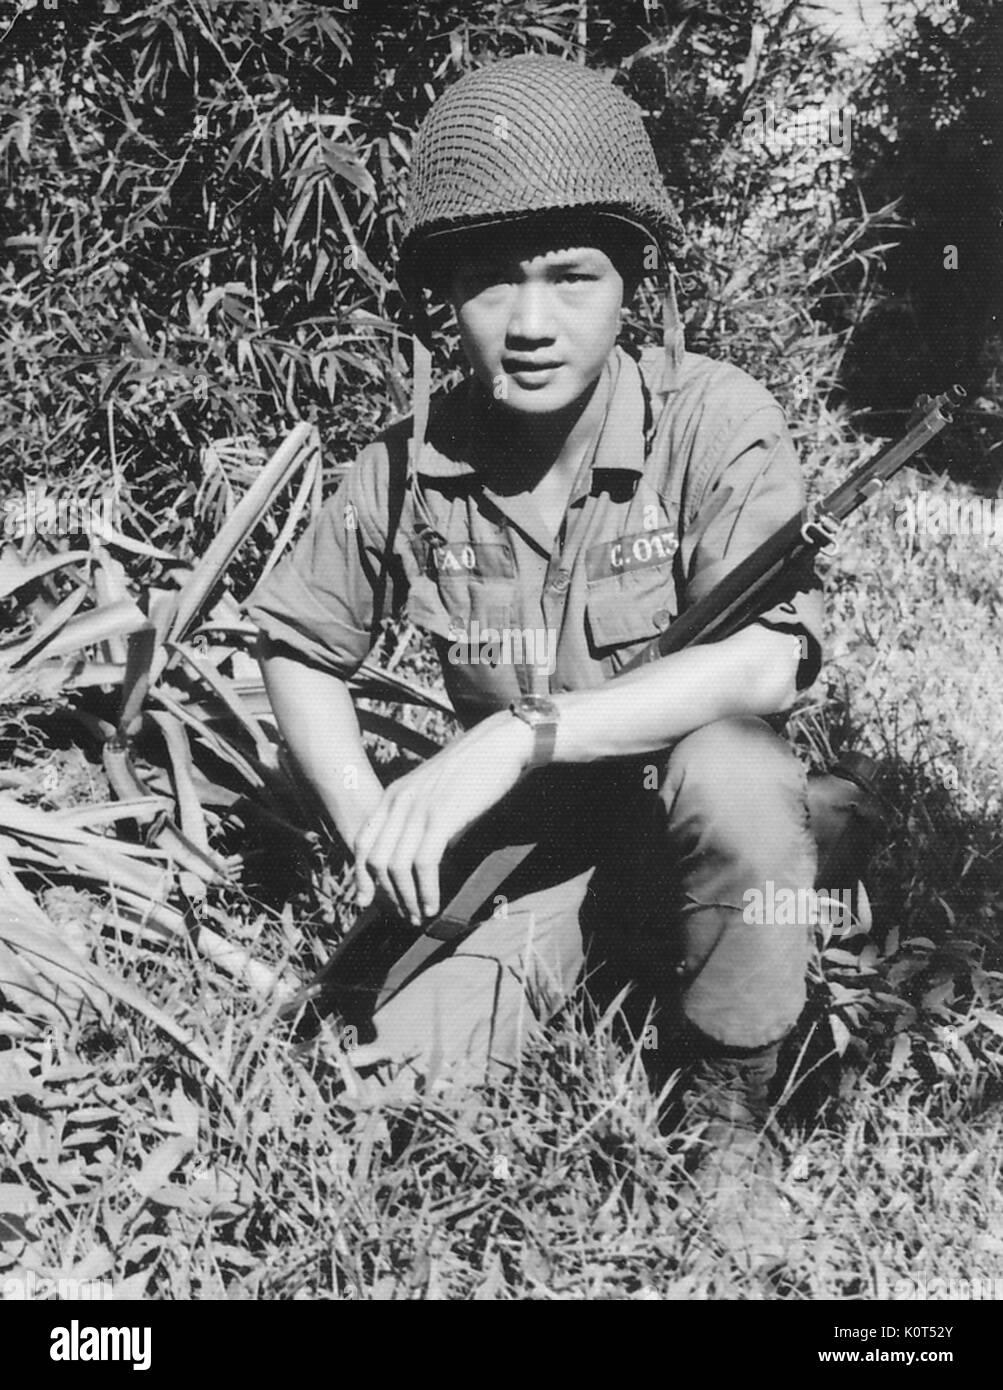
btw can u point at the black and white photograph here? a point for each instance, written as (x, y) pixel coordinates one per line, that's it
(501, 664)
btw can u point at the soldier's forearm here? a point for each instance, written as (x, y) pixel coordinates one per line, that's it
(753, 672)
(317, 719)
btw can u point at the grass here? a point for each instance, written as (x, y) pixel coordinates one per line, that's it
(271, 1175)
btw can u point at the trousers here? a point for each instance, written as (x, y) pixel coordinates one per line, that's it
(641, 877)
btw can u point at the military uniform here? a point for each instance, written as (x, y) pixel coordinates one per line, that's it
(649, 860)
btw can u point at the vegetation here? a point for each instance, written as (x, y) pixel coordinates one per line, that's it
(199, 213)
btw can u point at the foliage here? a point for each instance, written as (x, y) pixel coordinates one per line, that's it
(928, 133)
(186, 685)
(197, 232)
(203, 202)
(200, 209)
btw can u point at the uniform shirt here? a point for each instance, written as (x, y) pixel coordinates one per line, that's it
(674, 490)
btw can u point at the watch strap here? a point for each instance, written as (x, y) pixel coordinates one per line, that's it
(544, 742)
(543, 722)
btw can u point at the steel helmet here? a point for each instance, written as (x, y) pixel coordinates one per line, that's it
(526, 136)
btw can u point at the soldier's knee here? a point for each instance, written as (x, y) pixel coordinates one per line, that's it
(737, 782)
(458, 1015)
(738, 759)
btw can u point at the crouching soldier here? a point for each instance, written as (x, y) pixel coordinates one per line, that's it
(565, 503)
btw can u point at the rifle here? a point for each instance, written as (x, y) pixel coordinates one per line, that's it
(369, 966)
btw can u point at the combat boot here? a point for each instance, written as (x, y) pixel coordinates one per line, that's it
(735, 1166)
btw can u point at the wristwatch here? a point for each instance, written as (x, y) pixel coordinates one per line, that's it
(541, 715)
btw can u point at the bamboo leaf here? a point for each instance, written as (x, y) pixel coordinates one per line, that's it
(116, 538)
(31, 821)
(15, 573)
(111, 872)
(213, 740)
(189, 810)
(141, 646)
(231, 696)
(57, 619)
(98, 625)
(292, 454)
(306, 487)
(88, 673)
(127, 785)
(142, 808)
(161, 1163)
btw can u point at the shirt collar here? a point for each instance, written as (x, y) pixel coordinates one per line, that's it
(620, 446)
(451, 448)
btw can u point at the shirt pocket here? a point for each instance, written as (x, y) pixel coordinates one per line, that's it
(455, 586)
(479, 610)
(476, 656)
(471, 612)
(625, 612)
(476, 583)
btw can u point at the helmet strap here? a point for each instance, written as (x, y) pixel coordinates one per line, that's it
(673, 335)
(421, 366)
(420, 397)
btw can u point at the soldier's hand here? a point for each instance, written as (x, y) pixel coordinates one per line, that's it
(401, 845)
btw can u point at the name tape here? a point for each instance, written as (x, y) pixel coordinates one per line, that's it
(486, 559)
(644, 550)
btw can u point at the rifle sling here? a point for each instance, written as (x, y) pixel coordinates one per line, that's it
(459, 918)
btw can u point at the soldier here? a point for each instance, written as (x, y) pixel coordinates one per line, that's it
(569, 500)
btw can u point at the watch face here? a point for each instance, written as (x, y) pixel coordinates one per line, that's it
(537, 706)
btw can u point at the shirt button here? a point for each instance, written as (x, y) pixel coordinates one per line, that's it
(560, 581)
(662, 618)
